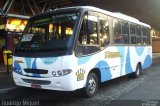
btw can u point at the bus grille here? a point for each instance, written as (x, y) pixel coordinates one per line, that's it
(37, 81)
(36, 71)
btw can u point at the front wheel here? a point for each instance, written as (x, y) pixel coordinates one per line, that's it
(137, 72)
(91, 85)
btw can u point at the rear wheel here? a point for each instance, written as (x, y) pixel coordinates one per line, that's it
(91, 85)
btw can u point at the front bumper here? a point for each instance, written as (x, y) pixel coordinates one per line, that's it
(63, 83)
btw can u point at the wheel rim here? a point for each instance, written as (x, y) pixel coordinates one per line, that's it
(92, 85)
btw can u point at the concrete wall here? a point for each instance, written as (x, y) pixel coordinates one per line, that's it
(156, 46)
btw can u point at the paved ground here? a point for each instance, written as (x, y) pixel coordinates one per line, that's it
(150, 89)
(6, 80)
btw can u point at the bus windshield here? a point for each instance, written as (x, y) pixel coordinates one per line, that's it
(54, 33)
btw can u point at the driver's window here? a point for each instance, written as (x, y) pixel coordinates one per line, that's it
(88, 36)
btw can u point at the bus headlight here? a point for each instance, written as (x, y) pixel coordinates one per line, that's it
(61, 73)
(66, 71)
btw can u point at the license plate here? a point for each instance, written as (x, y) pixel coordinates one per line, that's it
(36, 86)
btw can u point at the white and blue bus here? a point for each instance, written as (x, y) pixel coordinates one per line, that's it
(79, 47)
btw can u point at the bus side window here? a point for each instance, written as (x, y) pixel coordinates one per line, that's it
(148, 36)
(133, 33)
(138, 34)
(118, 38)
(104, 32)
(125, 32)
(145, 36)
(121, 31)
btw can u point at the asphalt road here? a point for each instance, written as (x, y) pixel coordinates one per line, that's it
(124, 91)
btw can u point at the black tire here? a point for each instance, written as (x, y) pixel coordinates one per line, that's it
(137, 72)
(91, 85)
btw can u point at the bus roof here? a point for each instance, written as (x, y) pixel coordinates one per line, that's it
(113, 14)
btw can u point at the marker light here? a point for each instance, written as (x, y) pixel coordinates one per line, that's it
(61, 73)
(54, 73)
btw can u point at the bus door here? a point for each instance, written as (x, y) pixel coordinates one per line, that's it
(104, 40)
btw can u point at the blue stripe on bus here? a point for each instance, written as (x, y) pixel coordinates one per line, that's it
(128, 67)
(104, 70)
(28, 62)
(17, 68)
(83, 60)
(34, 66)
(147, 62)
(122, 52)
(139, 50)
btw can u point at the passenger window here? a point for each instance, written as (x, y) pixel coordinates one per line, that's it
(138, 34)
(125, 32)
(133, 29)
(133, 33)
(104, 32)
(117, 31)
(121, 31)
(146, 36)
